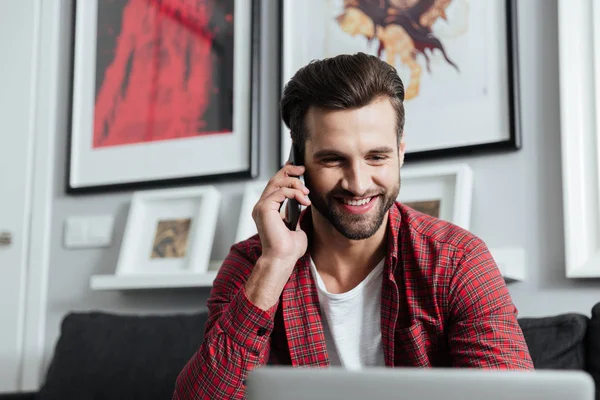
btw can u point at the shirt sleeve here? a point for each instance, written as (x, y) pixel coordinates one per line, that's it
(236, 339)
(483, 328)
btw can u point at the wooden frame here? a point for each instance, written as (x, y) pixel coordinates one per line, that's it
(135, 124)
(579, 62)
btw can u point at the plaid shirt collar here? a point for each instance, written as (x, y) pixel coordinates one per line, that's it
(393, 234)
(301, 308)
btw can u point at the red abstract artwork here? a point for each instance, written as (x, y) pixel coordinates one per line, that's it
(164, 70)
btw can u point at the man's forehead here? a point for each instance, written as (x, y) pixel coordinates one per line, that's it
(349, 141)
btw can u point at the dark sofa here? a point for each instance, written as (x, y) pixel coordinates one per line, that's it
(107, 356)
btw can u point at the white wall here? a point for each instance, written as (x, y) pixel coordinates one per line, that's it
(518, 197)
(516, 200)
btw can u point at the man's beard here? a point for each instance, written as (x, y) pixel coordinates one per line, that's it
(352, 226)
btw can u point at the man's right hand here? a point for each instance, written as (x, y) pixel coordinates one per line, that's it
(281, 247)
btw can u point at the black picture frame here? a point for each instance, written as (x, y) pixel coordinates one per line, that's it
(249, 106)
(511, 143)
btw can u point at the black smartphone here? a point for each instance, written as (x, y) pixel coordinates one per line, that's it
(293, 208)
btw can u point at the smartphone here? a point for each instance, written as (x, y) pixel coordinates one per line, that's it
(293, 208)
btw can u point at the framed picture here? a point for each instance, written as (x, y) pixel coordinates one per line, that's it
(169, 231)
(246, 225)
(579, 63)
(456, 58)
(163, 93)
(442, 191)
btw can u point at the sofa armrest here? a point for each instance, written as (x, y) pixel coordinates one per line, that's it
(556, 342)
(18, 396)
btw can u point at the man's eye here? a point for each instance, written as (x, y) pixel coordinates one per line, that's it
(378, 158)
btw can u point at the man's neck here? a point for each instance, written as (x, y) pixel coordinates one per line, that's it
(343, 263)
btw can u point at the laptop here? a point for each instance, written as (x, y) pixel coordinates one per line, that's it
(288, 383)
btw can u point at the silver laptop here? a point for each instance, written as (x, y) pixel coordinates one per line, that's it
(287, 383)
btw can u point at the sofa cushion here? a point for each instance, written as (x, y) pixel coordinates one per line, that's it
(108, 356)
(556, 342)
(593, 347)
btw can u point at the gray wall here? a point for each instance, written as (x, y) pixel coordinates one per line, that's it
(516, 199)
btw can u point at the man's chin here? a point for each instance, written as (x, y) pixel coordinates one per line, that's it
(357, 235)
(353, 226)
(357, 227)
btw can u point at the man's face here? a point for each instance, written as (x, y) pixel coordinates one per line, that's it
(353, 164)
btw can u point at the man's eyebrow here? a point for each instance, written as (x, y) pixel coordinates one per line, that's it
(334, 153)
(381, 150)
(327, 153)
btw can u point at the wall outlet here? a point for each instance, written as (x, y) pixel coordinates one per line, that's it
(90, 231)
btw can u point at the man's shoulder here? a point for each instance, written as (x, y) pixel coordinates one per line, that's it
(424, 229)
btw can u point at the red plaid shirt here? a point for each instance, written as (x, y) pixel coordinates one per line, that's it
(443, 304)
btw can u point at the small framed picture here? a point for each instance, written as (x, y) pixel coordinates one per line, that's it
(442, 191)
(170, 231)
(246, 226)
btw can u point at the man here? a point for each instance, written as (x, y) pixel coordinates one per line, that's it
(364, 280)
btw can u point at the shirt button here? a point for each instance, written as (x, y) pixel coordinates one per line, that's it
(261, 332)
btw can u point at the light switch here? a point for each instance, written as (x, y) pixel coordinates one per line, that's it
(75, 233)
(90, 231)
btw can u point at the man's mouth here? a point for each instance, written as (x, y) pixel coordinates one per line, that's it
(359, 202)
(357, 205)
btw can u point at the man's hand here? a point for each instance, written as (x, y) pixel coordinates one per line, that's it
(281, 247)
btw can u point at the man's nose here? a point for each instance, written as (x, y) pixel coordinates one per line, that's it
(357, 179)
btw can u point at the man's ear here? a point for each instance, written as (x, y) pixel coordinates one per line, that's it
(401, 149)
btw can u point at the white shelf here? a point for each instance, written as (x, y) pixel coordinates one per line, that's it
(155, 281)
(511, 263)
(510, 260)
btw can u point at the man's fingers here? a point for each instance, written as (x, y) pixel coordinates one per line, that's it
(288, 193)
(284, 182)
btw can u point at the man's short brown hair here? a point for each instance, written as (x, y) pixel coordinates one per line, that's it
(339, 83)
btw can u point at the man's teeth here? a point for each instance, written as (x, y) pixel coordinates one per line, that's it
(357, 202)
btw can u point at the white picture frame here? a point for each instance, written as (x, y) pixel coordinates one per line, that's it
(450, 184)
(191, 212)
(579, 75)
(246, 225)
(115, 101)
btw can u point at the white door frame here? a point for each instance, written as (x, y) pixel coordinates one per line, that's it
(45, 124)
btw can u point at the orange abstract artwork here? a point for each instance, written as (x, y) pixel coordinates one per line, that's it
(403, 29)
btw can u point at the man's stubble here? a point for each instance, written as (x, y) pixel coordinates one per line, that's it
(352, 226)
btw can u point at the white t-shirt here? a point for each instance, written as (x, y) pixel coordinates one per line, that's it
(352, 323)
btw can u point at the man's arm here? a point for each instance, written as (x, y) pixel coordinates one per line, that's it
(236, 340)
(483, 328)
(244, 298)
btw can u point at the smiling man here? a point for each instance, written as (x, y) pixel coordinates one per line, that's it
(364, 280)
